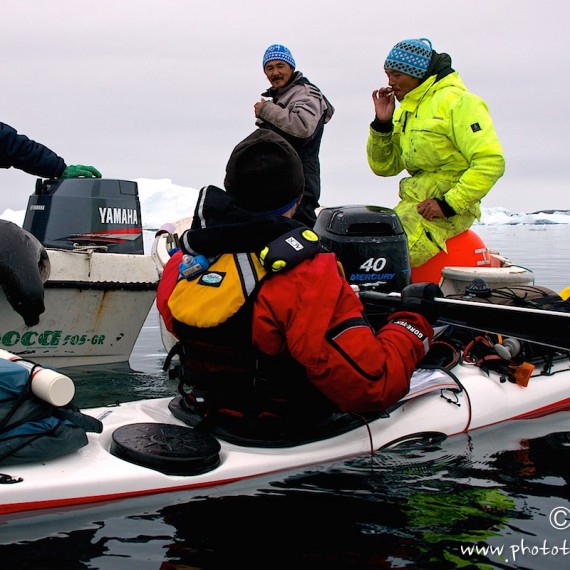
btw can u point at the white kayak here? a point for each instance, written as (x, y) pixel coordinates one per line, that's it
(145, 449)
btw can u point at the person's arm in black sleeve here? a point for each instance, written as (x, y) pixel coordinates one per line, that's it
(19, 151)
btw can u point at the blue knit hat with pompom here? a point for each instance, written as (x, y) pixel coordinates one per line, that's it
(278, 52)
(411, 57)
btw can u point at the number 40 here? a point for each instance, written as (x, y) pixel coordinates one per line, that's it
(374, 264)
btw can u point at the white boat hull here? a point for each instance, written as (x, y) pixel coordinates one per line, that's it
(95, 307)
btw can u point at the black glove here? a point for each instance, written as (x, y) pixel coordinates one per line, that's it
(420, 298)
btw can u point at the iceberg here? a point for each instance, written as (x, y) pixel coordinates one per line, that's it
(162, 201)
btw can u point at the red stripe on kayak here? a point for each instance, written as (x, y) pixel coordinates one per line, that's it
(562, 406)
(55, 503)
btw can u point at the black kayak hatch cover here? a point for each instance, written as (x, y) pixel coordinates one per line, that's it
(170, 449)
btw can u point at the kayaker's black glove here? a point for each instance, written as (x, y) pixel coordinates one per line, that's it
(420, 298)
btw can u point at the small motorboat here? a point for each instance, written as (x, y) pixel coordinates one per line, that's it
(76, 286)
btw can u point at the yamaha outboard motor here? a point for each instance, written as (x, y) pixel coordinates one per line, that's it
(73, 212)
(370, 243)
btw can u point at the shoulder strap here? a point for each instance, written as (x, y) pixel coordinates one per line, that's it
(289, 249)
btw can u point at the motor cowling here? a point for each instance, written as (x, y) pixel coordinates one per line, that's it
(371, 244)
(82, 212)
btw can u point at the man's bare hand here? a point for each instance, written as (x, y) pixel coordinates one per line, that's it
(384, 103)
(430, 209)
(257, 107)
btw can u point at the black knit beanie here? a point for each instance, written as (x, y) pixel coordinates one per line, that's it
(264, 173)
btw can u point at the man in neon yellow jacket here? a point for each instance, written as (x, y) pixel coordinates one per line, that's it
(443, 136)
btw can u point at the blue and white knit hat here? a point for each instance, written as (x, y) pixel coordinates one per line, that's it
(278, 52)
(411, 57)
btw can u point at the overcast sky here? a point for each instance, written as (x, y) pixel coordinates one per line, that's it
(164, 89)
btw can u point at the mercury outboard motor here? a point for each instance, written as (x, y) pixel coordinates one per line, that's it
(370, 243)
(72, 212)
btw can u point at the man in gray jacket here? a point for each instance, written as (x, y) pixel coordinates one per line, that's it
(297, 110)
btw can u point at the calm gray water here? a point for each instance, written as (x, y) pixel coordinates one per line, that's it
(542, 248)
(415, 508)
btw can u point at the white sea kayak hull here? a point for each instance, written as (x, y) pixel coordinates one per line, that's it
(93, 474)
